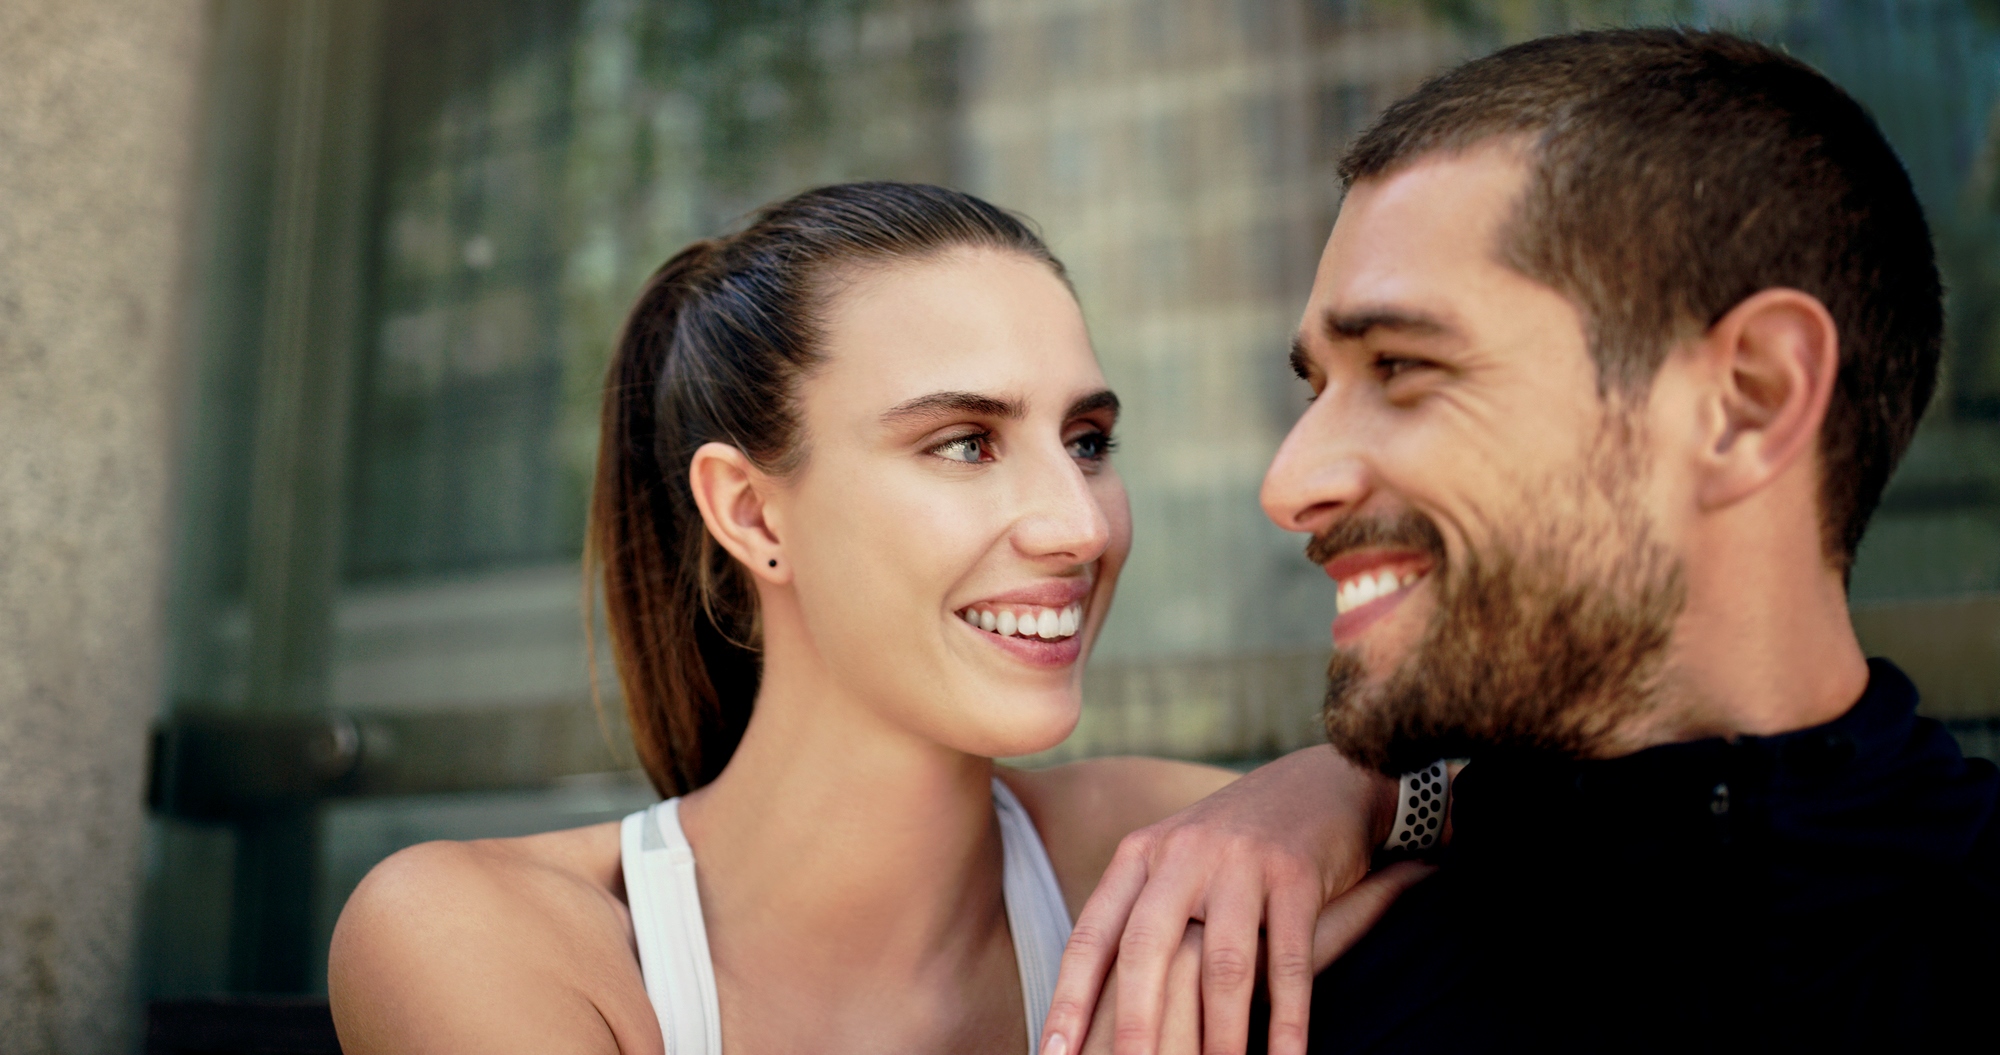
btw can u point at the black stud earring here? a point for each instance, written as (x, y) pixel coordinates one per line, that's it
(774, 562)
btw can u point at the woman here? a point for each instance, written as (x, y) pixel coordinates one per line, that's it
(858, 527)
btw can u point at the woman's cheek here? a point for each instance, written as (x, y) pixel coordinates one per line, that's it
(1118, 515)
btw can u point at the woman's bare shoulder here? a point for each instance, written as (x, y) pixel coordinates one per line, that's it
(1082, 809)
(495, 945)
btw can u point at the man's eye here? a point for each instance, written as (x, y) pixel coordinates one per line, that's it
(1092, 446)
(968, 449)
(1390, 366)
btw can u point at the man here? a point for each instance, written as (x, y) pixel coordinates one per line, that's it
(1613, 348)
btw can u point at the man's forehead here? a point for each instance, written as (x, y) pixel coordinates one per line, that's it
(1407, 244)
(1500, 163)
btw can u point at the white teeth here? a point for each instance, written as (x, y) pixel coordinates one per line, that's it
(1048, 624)
(1364, 590)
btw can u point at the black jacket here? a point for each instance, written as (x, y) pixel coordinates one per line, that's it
(1832, 889)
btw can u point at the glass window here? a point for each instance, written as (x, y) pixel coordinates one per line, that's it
(532, 161)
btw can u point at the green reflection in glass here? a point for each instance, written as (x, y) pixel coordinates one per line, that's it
(541, 157)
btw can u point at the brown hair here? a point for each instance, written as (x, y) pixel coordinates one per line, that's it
(1675, 173)
(714, 350)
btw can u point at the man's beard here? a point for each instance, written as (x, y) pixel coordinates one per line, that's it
(1549, 642)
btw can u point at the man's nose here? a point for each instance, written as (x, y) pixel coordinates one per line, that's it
(1317, 474)
(1061, 516)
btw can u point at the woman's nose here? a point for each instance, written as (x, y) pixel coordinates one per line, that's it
(1062, 515)
(1317, 474)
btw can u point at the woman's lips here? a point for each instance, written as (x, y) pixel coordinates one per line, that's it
(1036, 652)
(1025, 620)
(1043, 635)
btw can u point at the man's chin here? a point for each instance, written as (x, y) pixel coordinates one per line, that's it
(1383, 719)
(1353, 715)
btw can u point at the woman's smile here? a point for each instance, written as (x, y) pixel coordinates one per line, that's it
(1041, 624)
(1027, 621)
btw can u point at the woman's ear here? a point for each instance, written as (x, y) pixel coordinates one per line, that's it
(1775, 356)
(732, 495)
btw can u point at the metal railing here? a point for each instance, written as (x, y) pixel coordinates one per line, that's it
(267, 775)
(219, 766)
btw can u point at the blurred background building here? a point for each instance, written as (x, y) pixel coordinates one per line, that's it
(405, 233)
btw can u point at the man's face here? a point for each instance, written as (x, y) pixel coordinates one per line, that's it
(1482, 510)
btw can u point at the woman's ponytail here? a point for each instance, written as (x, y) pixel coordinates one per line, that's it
(675, 666)
(713, 351)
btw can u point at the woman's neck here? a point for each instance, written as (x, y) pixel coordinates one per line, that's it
(840, 850)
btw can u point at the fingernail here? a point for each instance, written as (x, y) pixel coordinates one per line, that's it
(1057, 1045)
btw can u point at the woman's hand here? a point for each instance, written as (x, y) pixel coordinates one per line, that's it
(1272, 850)
(1179, 1030)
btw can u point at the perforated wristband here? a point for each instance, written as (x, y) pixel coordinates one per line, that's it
(1421, 798)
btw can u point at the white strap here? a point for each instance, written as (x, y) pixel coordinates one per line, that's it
(673, 941)
(1036, 912)
(666, 920)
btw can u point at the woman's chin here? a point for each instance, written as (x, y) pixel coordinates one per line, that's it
(1018, 724)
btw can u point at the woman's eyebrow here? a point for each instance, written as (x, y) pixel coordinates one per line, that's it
(941, 403)
(1102, 399)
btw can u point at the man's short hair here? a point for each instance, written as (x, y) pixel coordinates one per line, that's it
(1674, 174)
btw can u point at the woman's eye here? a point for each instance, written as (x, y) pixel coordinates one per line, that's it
(1092, 446)
(968, 449)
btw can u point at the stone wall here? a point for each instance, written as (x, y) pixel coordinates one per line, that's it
(98, 120)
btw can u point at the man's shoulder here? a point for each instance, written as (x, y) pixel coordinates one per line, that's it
(1413, 983)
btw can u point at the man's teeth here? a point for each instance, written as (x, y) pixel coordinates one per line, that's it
(1047, 624)
(1368, 586)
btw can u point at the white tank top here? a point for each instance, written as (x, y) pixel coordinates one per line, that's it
(673, 942)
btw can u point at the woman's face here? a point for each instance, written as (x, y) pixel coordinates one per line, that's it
(957, 528)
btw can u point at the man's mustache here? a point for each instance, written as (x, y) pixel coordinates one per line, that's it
(1407, 529)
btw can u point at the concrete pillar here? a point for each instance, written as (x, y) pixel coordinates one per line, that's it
(98, 102)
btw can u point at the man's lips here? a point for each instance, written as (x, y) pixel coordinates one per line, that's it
(1371, 583)
(1355, 563)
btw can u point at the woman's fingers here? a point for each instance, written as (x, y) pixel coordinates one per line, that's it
(1097, 1038)
(1349, 916)
(1188, 996)
(1092, 948)
(1228, 975)
(1290, 935)
(1181, 1018)
(1153, 934)
(1281, 840)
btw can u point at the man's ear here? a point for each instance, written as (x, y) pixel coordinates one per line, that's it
(1775, 358)
(732, 495)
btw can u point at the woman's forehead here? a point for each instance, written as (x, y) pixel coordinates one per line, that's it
(980, 321)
